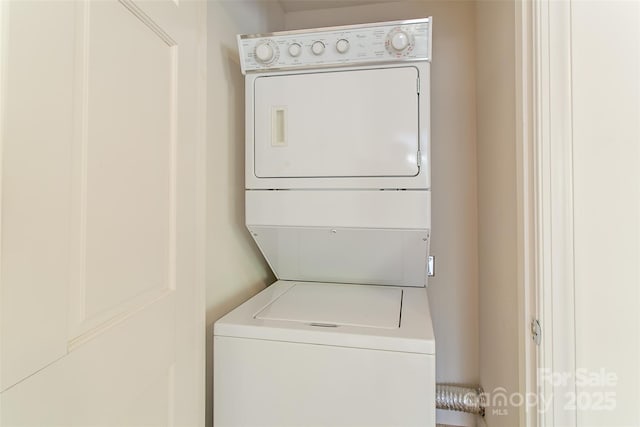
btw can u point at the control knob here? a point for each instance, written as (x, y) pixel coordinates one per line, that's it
(317, 48)
(400, 41)
(264, 52)
(342, 45)
(295, 49)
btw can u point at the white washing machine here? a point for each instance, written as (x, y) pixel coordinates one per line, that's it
(338, 201)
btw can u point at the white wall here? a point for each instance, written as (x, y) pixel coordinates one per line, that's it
(453, 292)
(235, 268)
(606, 184)
(497, 202)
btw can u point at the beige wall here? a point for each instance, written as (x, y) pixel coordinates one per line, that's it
(453, 292)
(606, 189)
(235, 268)
(497, 201)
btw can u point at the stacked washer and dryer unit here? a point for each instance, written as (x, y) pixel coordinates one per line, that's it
(338, 201)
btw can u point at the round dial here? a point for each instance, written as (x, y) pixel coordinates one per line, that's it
(342, 46)
(317, 48)
(265, 52)
(295, 49)
(400, 41)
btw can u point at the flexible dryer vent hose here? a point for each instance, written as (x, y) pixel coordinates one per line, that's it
(458, 398)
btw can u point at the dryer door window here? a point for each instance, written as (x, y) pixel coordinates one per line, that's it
(361, 123)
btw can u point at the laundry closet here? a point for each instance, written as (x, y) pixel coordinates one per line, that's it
(463, 159)
(463, 177)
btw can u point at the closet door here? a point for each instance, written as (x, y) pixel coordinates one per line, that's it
(101, 312)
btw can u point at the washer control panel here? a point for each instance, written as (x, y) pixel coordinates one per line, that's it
(337, 46)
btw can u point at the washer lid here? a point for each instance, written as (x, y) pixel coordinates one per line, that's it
(413, 335)
(337, 305)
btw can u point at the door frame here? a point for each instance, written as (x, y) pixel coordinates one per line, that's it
(545, 202)
(527, 202)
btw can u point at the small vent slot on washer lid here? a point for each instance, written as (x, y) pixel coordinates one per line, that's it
(323, 325)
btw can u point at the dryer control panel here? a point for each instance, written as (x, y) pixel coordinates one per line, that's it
(337, 46)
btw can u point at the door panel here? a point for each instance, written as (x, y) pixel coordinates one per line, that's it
(336, 124)
(126, 165)
(96, 384)
(102, 192)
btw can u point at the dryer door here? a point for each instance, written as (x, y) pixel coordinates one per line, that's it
(362, 123)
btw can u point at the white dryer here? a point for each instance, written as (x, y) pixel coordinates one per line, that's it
(338, 201)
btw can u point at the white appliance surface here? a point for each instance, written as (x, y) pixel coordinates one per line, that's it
(393, 257)
(360, 44)
(361, 123)
(413, 334)
(357, 236)
(337, 305)
(350, 209)
(338, 199)
(269, 357)
(338, 108)
(339, 128)
(262, 383)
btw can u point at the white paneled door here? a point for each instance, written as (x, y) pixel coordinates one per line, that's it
(101, 126)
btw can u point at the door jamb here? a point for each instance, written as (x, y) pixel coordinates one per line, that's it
(526, 197)
(550, 294)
